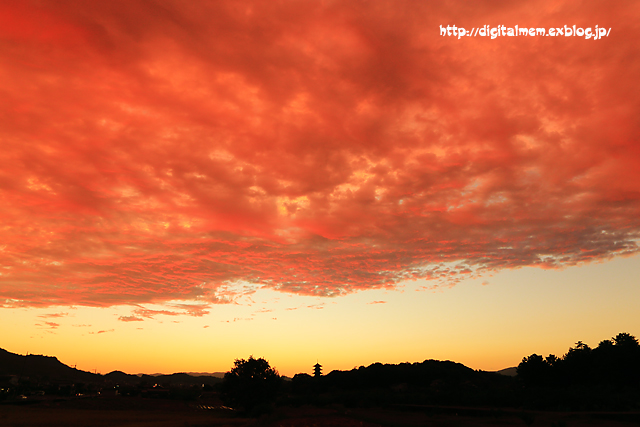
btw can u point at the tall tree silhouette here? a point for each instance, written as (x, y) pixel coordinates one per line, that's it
(625, 360)
(250, 383)
(534, 370)
(577, 366)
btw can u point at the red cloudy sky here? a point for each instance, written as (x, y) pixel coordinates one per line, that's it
(158, 151)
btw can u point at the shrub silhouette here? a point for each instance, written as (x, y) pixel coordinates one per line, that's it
(250, 383)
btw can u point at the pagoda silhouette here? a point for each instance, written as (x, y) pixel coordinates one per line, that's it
(317, 370)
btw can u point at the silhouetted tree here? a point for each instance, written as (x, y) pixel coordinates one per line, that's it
(625, 360)
(605, 344)
(603, 360)
(578, 364)
(250, 383)
(625, 340)
(534, 370)
(552, 360)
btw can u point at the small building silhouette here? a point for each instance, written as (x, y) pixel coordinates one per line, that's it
(317, 370)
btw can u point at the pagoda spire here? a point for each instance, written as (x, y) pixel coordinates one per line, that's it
(317, 370)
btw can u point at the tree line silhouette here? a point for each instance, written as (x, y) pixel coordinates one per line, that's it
(603, 378)
(614, 362)
(606, 377)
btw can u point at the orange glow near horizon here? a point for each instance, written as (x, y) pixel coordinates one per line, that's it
(318, 181)
(487, 323)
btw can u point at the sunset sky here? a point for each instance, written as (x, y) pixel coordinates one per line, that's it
(186, 183)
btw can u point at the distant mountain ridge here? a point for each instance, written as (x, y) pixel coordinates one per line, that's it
(193, 374)
(510, 372)
(50, 369)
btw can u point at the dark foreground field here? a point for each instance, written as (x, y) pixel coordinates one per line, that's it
(139, 412)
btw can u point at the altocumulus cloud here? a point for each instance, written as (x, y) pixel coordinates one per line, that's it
(53, 315)
(159, 151)
(130, 319)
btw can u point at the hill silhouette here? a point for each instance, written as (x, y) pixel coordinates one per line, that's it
(510, 372)
(429, 382)
(386, 375)
(42, 368)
